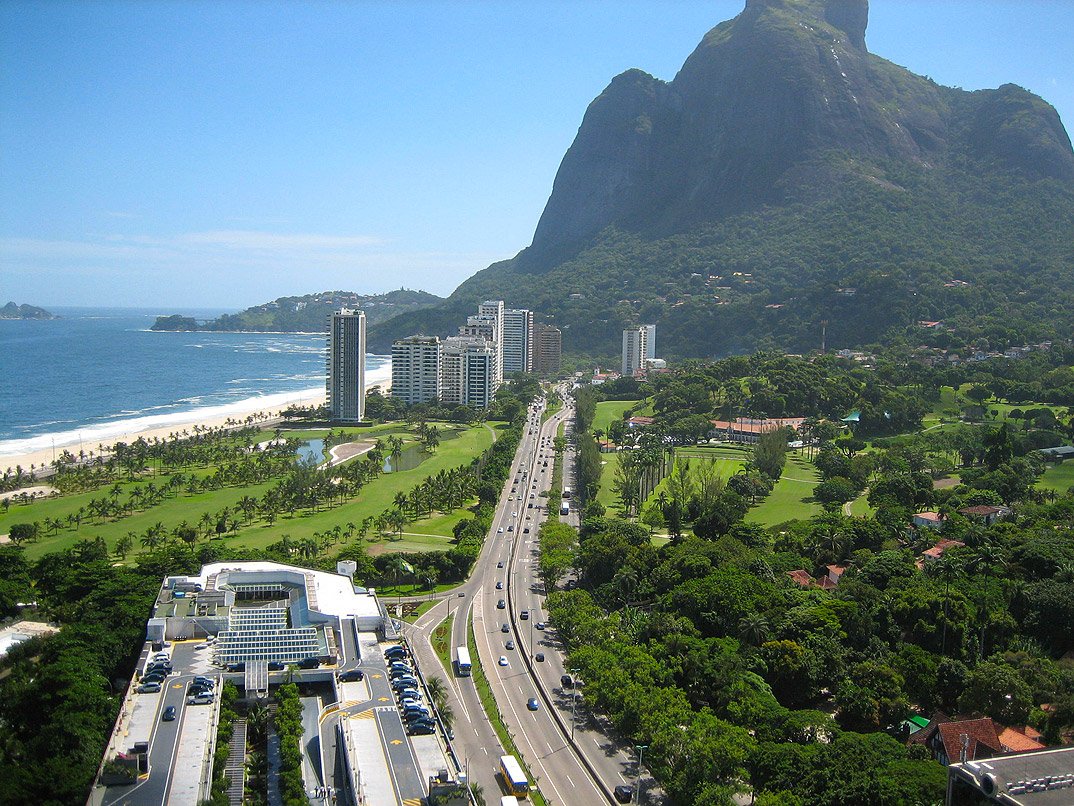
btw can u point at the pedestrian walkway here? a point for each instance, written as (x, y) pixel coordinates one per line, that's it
(235, 768)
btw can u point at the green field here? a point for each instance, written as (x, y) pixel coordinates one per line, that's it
(1057, 477)
(786, 502)
(608, 412)
(787, 499)
(377, 496)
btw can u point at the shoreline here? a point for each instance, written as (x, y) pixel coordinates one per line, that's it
(161, 426)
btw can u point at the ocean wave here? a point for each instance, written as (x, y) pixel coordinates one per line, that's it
(187, 412)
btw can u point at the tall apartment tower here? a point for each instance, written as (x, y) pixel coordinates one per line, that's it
(547, 349)
(345, 386)
(650, 340)
(635, 348)
(467, 371)
(416, 369)
(517, 341)
(493, 310)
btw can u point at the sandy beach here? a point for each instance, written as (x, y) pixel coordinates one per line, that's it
(212, 417)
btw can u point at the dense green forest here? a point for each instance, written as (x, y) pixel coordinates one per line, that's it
(799, 692)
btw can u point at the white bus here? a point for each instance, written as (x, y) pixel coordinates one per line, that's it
(462, 661)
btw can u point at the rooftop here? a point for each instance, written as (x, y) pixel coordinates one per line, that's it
(1042, 778)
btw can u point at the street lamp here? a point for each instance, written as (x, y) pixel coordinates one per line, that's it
(641, 748)
(574, 699)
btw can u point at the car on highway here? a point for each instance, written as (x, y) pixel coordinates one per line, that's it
(169, 714)
(526, 531)
(501, 605)
(623, 793)
(509, 644)
(539, 657)
(351, 675)
(505, 627)
(499, 531)
(511, 528)
(499, 564)
(503, 660)
(524, 615)
(540, 625)
(499, 586)
(531, 703)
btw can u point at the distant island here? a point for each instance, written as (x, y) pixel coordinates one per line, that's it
(306, 314)
(13, 311)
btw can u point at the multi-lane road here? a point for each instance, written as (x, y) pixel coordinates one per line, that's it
(570, 764)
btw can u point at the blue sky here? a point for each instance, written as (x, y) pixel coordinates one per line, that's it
(189, 153)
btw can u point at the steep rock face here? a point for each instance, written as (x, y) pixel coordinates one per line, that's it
(783, 84)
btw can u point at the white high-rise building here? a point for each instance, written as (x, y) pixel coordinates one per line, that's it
(634, 349)
(467, 371)
(345, 385)
(416, 369)
(517, 341)
(650, 340)
(493, 309)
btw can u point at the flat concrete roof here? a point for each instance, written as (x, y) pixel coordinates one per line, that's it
(1040, 778)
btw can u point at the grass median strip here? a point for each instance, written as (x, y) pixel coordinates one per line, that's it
(488, 702)
(442, 642)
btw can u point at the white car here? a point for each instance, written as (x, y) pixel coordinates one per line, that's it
(503, 660)
(499, 531)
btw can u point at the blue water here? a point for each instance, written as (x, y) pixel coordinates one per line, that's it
(100, 372)
(311, 451)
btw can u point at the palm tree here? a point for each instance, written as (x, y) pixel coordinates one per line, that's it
(753, 629)
(437, 689)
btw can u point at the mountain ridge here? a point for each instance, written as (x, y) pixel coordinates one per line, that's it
(777, 115)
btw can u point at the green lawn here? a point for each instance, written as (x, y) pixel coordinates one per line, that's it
(374, 499)
(609, 412)
(1057, 477)
(787, 499)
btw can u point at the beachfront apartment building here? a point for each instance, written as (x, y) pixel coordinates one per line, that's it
(345, 366)
(517, 340)
(416, 369)
(547, 349)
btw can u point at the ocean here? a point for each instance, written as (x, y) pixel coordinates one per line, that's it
(101, 372)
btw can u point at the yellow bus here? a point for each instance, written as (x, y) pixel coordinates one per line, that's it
(513, 777)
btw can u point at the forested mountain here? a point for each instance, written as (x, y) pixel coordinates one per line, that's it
(788, 176)
(307, 313)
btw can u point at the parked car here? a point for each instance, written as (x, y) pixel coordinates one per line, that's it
(149, 688)
(531, 703)
(422, 729)
(395, 652)
(236, 667)
(566, 681)
(404, 682)
(309, 663)
(352, 675)
(409, 694)
(623, 793)
(169, 714)
(206, 680)
(276, 666)
(200, 699)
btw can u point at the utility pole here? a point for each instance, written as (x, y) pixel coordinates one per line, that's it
(641, 748)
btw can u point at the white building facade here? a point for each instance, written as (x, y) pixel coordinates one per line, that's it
(517, 340)
(416, 369)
